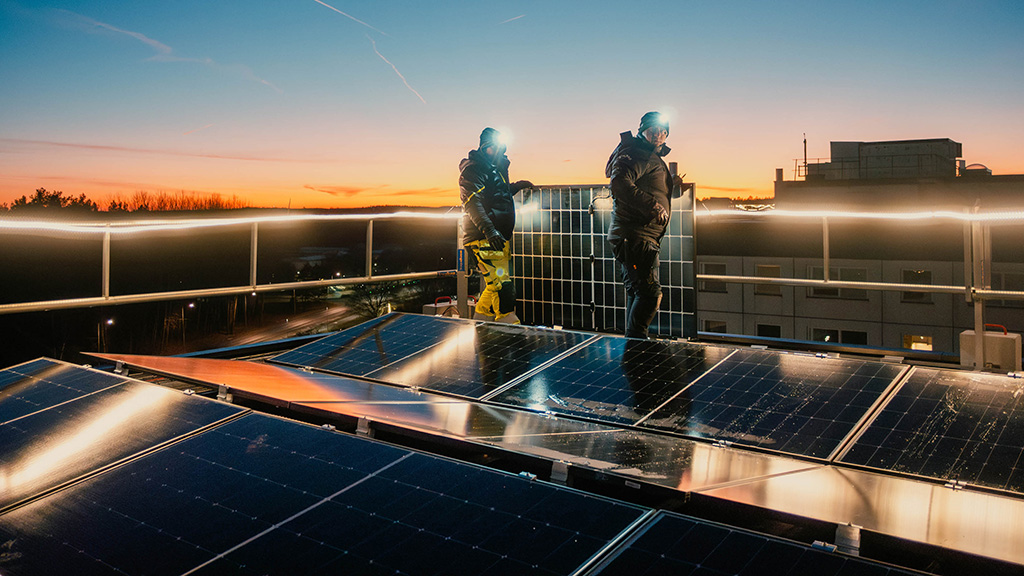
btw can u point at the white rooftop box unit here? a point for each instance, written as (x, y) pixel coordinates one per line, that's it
(1002, 350)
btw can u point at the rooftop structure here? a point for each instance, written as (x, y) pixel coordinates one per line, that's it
(901, 174)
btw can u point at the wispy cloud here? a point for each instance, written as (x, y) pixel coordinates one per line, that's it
(349, 191)
(396, 70)
(164, 53)
(194, 130)
(350, 17)
(134, 150)
(511, 19)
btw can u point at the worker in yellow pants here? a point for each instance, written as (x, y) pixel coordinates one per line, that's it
(498, 298)
(489, 217)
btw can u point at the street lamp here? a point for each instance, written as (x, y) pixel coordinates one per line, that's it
(101, 333)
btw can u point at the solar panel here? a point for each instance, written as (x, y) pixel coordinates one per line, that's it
(265, 495)
(677, 544)
(43, 383)
(962, 426)
(367, 347)
(480, 359)
(786, 402)
(50, 447)
(566, 275)
(614, 379)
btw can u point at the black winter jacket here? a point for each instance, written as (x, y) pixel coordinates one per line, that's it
(486, 197)
(639, 180)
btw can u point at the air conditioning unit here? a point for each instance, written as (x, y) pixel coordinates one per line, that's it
(1002, 350)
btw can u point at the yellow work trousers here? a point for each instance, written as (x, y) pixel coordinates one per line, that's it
(498, 296)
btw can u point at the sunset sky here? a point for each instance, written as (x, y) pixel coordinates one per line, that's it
(332, 103)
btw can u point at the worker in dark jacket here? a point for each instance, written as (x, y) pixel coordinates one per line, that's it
(490, 216)
(641, 190)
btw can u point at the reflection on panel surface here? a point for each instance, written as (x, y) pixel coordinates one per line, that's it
(43, 383)
(50, 447)
(677, 544)
(785, 402)
(478, 359)
(367, 347)
(961, 426)
(662, 460)
(614, 379)
(262, 495)
(965, 520)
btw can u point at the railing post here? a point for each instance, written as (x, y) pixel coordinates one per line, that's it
(824, 244)
(252, 254)
(106, 263)
(369, 248)
(461, 274)
(979, 280)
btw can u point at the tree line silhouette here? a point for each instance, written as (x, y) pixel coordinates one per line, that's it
(139, 201)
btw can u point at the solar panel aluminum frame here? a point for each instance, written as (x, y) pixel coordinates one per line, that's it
(871, 414)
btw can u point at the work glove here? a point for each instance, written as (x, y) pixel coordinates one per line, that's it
(496, 240)
(660, 215)
(521, 185)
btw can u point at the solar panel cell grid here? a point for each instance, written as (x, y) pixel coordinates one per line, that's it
(374, 345)
(675, 544)
(480, 359)
(614, 379)
(950, 425)
(795, 404)
(336, 503)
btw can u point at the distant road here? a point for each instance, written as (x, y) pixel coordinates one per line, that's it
(280, 326)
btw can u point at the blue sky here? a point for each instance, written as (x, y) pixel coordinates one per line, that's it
(336, 103)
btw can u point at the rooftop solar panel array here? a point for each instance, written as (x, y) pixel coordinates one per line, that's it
(258, 494)
(958, 426)
(791, 403)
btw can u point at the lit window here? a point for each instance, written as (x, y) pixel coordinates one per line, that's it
(768, 271)
(915, 342)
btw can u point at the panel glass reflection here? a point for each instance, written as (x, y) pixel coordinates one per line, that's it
(479, 358)
(372, 345)
(786, 402)
(614, 379)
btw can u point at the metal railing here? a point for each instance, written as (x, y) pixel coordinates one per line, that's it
(977, 258)
(109, 230)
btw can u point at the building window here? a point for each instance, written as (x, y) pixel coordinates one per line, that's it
(713, 269)
(838, 274)
(854, 337)
(825, 335)
(768, 271)
(915, 342)
(769, 331)
(917, 277)
(1008, 281)
(716, 326)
